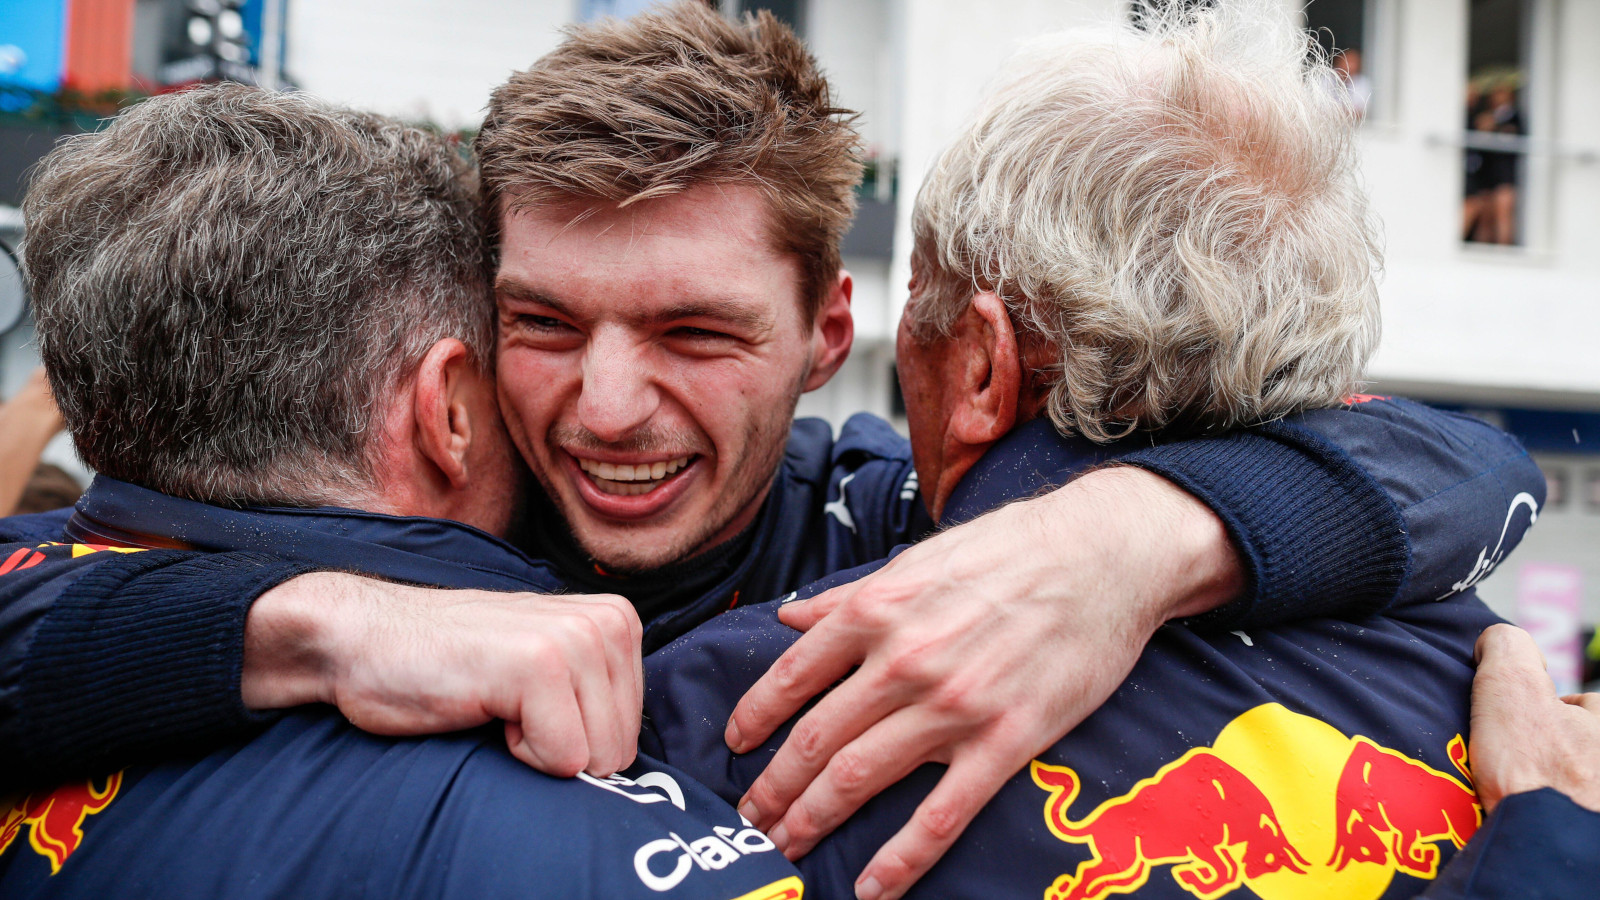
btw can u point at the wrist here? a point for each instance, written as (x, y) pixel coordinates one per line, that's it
(292, 635)
(1182, 547)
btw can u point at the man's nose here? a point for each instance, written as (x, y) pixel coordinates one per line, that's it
(619, 393)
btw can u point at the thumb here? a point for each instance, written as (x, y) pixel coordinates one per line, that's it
(1511, 671)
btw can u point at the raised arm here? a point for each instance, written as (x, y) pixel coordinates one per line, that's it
(109, 658)
(1343, 512)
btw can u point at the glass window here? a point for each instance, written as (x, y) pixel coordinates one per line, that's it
(1341, 28)
(1495, 159)
(791, 11)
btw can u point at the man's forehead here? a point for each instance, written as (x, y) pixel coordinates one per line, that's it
(708, 245)
(713, 215)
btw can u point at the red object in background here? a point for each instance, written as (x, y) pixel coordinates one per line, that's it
(99, 47)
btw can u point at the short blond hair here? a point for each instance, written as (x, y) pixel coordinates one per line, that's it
(1175, 210)
(627, 110)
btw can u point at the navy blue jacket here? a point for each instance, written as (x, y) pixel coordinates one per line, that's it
(1323, 758)
(312, 807)
(1335, 512)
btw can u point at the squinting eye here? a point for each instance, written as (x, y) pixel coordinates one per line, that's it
(699, 333)
(543, 323)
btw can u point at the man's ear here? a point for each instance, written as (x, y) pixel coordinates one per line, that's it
(989, 367)
(832, 332)
(442, 408)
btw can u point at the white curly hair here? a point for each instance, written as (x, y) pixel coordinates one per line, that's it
(1172, 205)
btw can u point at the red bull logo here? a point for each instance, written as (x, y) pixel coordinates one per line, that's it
(24, 558)
(1392, 808)
(56, 818)
(1170, 818)
(1281, 803)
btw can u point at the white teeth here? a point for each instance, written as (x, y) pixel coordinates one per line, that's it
(628, 479)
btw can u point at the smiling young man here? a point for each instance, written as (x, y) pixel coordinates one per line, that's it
(667, 197)
(650, 360)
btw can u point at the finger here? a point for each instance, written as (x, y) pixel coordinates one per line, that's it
(972, 780)
(1589, 702)
(803, 615)
(885, 753)
(624, 669)
(596, 692)
(821, 657)
(551, 729)
(838, 718)
(1510, 662)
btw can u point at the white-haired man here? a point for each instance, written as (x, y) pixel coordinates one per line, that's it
(1158, 230)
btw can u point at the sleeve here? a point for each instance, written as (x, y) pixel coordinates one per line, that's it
(1535, 846)
(1346, 512)
(112, 657)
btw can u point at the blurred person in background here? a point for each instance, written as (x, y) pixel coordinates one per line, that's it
(51, 487)
(1497, 181)
(27, 423)
(1356, 85)
(1474, 202)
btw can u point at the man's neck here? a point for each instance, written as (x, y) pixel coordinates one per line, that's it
(654, 592)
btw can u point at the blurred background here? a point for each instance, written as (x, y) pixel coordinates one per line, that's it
(1480, 134)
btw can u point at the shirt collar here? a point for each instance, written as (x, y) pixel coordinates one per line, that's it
(413, 549)
(1032, 459)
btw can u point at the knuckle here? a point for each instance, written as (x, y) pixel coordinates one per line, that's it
(878, 603)
(940, 822)
(807, 741)
(786, 673)
(763, 796)
(851, 772)
(892, 867)
(802, 826)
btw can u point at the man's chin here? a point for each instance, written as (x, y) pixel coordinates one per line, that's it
(636, 554)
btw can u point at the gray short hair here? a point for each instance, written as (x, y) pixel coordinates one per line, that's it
(228, 281)
(1174, 210)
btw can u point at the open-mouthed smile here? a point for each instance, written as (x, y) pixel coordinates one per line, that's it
(629, 480)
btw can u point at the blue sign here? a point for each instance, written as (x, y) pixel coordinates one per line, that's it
(33, 38)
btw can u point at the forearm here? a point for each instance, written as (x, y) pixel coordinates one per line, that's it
(1312, 533)
(140, 657)
(1175, 545)
(1345, 512)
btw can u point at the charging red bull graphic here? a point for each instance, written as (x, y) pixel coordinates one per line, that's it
(1173, 818)
(56, 818)
(1392, 808)
(1281, 803)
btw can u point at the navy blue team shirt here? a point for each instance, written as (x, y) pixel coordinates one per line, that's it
(1323, 758)
(312, 807)
(1334, 512)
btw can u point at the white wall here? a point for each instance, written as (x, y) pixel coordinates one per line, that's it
(1462, 315)
(419, 59)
